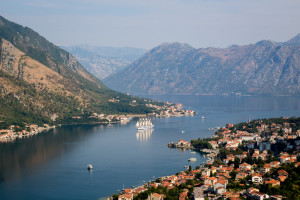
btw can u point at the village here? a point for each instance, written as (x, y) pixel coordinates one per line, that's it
(14, 132)
(166, 110)
(253, 160)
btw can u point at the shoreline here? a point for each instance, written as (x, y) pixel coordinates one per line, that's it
(10, 135)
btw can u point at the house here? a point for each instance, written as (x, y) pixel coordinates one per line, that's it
(125, 197)
(214, 144)
(229, 126)
(156, 196)
(220, 190)
(183, 143)
(245, 166)
(275, 164)
(250, 190)
(255, 155)
(231, 195)
(282, 178)
(166, 184)
(266, 168)
(128, 191)
(297, 164)
(220, 183)
(254, 193)
(183, 195)
(282, 173)
(206, 172)
(210, 181)
(247, 137)
(232, 146)
(256, 178)
(214, 169)
(284, 158)
(139, 190)
(213, 180)
(287, 130)
(273, 182)
(198, 193)
(240, 175)
(260, 196)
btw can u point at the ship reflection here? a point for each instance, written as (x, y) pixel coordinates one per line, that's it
(144, 135)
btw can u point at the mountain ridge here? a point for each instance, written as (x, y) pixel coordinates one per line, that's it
(294, 41)
(41, 83)
(104, 61)
(263, 68)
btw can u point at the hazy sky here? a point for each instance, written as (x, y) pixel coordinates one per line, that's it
(148, 23)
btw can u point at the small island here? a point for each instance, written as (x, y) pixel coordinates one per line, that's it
(259, 159)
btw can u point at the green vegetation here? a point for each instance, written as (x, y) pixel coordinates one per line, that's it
(201, 143)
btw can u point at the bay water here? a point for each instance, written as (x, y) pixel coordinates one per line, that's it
(52, 165)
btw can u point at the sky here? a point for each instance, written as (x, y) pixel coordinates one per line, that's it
(149, 23)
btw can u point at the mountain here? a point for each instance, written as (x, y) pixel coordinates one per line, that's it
(264, 68)
(294, 41)
(104, 61)
(42, 83)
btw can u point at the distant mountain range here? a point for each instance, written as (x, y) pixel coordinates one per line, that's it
(104, 61)
(42, 83)
(264, 68)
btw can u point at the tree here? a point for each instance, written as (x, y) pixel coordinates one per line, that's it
(236, 162)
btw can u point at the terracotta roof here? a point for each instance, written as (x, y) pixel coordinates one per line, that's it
(157, 195)
(244, 164)
(267, 166)
(256, 174)
(272, 181)
(282, 178)
(282, 172)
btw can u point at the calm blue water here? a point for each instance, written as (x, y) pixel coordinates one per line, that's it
(53, 165)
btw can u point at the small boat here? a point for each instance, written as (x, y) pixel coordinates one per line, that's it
(90, 167)
(193, 152)
(182, 131)
(202, 117)
(192, 159)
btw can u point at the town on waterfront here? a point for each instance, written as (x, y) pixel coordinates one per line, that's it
(258, 159)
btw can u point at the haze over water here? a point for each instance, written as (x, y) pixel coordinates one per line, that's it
(52, 165)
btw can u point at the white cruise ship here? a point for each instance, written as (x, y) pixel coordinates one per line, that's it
(144, 123)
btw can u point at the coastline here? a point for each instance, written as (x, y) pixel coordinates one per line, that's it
(10, 135)
(168, 110)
